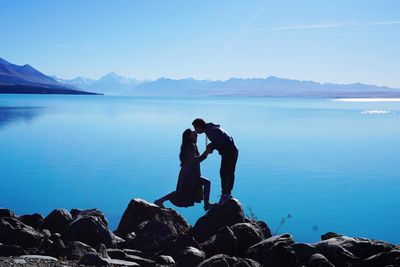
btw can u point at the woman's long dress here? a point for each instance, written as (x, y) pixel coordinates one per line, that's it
(189, 189)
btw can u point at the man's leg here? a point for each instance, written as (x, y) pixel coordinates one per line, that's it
(231, 171)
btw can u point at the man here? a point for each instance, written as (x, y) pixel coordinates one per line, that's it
(225, 145)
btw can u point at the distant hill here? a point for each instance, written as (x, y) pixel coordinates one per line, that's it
(109, 84)
(271, 86)
(15, 79)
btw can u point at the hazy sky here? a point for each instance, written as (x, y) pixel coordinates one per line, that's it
(322, 40)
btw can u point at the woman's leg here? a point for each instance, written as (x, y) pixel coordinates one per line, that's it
(160, 201)
(206, 189)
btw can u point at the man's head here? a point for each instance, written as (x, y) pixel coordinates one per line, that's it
(199, 125)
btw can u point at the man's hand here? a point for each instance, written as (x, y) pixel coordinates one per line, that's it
(209, 149)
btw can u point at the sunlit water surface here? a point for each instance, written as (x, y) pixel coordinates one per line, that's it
(333, 166)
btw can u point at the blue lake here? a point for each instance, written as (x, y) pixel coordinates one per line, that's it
(334, 166)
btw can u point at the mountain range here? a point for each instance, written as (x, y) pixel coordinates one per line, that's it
(26, 79)
(15, 79)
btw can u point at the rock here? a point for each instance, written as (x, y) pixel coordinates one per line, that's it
(123, 263)
(165, 260)
(150, 235)
(304, 252)
(93, 259)
(14, 232)
(263, 227)
(78, 213)
(39, 257)
(75, 250)
(7, 213)
(174, 245)
(55, 249)
(336, 254)
(318, 260)
(141, 261)
(57, 221)
(247, 235)
(274, 251)
(33, 220)
(329, 235)
(116, 254)
(190, 257)
(103, 252)
(359, 247)
(221, 260)
(391, 258)
(46, 233)
(11, 250)
(216, 218)
(90, 230)
(224, 242)
(134, 252)
(139, 211)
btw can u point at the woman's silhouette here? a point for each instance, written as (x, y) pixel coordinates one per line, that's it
(191, 186)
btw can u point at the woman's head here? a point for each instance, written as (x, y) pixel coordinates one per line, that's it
(189, 136)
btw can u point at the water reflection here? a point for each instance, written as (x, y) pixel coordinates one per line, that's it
(14, 114)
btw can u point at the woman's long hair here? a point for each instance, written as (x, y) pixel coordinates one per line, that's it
(186, 140)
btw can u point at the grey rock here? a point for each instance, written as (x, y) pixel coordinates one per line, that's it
(304, 252)
(11, 250)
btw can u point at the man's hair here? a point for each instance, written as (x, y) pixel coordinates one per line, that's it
(199, 122)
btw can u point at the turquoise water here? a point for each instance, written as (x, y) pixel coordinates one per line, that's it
(333, 166)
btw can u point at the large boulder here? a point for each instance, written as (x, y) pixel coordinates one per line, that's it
(139, 211)
(224, 242)
(247, 234)
(359, 247)
(14, 232)
(57, 221)
(336, 253)
(275, 251)
(304, 252)
(216, 218)
(90, 228)
(34, 220)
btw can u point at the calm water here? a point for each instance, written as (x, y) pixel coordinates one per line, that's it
(333, 166)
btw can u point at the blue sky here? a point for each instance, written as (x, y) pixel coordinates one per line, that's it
(328, 41)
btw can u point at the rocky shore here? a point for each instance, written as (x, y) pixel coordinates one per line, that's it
(148, 235)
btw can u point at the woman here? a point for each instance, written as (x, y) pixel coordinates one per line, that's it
(191, 187)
